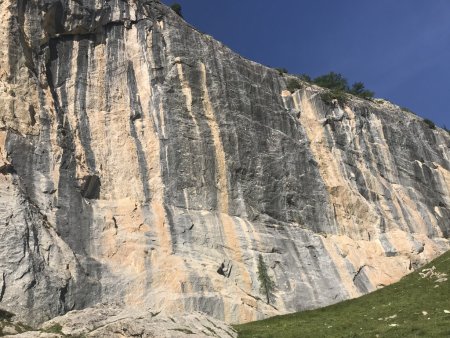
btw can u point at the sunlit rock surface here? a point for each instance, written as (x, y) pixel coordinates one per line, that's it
(113, 322)
(144, 164)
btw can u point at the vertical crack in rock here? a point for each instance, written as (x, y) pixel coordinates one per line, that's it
(340, 267)
(136, 108)
(232, 240)
(221, 165)
(91, 187)
(353, 213)
(53, 21)
(62, 296)
(3, 288)
(187, 92)
(149, 134)
(32, 114)
(73, 216)
(84, 48)
(361, 281)
(24, 41)
(301, 267)
(197, 145)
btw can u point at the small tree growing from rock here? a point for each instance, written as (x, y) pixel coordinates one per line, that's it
(267, 286)
(176, 7)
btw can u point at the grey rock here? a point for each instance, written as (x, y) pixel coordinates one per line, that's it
(113, 322)
(145, 165)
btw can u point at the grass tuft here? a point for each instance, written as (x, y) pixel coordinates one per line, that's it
(56, 328)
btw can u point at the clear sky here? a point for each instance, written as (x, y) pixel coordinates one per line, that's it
(399, 48)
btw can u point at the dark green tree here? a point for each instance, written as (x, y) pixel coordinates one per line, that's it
(267, 286)
(332, 80)
(357, 88)
(338, 85)
(176, 7)
(360, 90)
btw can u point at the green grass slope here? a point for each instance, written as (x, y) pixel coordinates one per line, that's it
(416, 306)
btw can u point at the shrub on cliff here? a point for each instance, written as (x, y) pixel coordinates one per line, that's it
(329, 96)
(338, 84)
(332, 80)
(176, 7)
(406, 109)
(429, 123)
(292, 85)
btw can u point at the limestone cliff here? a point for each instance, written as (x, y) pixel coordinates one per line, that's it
(146, 165)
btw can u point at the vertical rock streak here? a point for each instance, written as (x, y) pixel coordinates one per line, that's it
(353, 214)
(200, 169)
(187, 92)
(221, 166)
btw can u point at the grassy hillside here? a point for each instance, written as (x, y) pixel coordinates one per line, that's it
(416, 306)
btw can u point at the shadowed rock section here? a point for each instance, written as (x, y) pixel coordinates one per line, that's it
(91, 187)
(146, 165)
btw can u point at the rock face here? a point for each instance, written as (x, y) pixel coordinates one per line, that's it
(144, 164)
(107, 322)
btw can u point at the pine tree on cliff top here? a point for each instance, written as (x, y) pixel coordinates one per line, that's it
(267, 285)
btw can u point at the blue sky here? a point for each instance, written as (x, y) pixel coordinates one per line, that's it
(399, 48)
